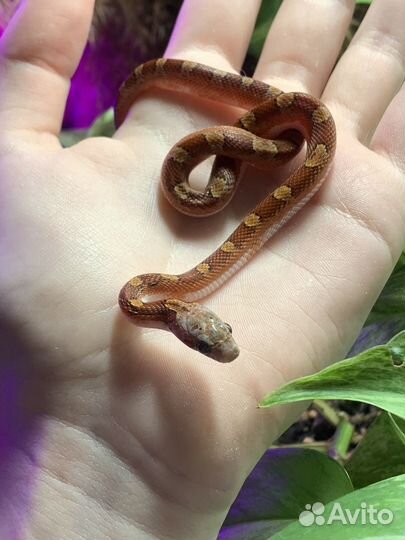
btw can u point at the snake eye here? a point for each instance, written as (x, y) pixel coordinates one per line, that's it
(229, 327)
(203, 347)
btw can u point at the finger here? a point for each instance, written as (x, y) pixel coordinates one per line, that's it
(214, 32)
(201, 35)
(303, 44)
(371, 71)
(39, 52)
(389, 138)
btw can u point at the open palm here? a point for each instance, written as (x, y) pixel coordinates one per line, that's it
(128, 431)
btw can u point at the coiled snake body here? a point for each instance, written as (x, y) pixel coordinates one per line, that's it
(170, 299)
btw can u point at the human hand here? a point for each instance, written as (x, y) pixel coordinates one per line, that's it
(123, 432)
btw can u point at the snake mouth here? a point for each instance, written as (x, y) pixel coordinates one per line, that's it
(226, 351)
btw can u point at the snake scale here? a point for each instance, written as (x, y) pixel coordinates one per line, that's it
(170, 300)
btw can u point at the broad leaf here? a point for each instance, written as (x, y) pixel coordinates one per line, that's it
(384, 501)
(279, 487)
(103, 126)
(376, 376)
(266, 16)
(390, 305)
(376, 334)
(381, 454)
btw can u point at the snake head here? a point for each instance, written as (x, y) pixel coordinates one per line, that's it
(199, 328)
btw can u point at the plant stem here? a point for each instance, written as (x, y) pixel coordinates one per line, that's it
(327, 411)
(341, 440)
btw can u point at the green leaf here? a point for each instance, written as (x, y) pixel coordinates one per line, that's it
(384, 498)
(381, 454)
(267, 13)
(70, 137)
(103, 126)
(376, 376)
(390, 305)
(376, 334)
(279, 487)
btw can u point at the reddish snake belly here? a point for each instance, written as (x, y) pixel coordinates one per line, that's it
(171, 299)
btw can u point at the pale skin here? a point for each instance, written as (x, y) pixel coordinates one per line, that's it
(124, 432)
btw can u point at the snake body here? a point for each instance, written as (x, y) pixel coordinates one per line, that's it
(171, 299)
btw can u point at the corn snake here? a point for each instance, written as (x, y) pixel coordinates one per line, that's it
(170, 299)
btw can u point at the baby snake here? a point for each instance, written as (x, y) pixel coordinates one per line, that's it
(170, 299)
